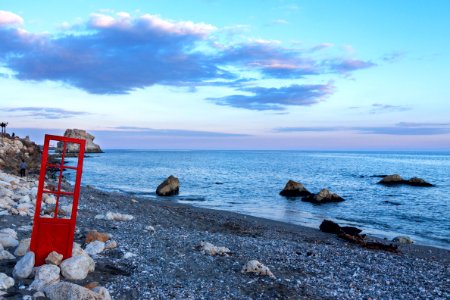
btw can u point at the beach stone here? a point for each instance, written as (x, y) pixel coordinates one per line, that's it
(168, 187)
(95, 247)
(4, 254)
(150, 228)
(403, 240)
(324, 196)
(45, 275)
(76, 267)
(39, 295)
(70, 291)
(391, 179)
(94, 235)
(8, 232)
(415, 181)
(111, 244)
(330, 227)
(102, 291)
(54, 258)
(92, 285)
(210, 249)
(5, 281)
(24, 266)
(23, 247)
(258, 268)
(294, 189)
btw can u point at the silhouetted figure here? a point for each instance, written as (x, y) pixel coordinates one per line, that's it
(23, 168)
(13, 135)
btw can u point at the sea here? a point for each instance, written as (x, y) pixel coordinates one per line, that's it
(249, 182)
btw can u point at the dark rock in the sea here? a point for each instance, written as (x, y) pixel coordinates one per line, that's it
(332, 227)
(294, 189)
(14, 149)
(392, 179)
(324, 196)
(396, 179)
(415, 181)
(91, 147)
(391, 202)
(168, 187)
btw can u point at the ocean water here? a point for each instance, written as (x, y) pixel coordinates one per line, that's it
(248, 182)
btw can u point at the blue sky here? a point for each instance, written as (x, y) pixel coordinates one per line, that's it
(209, 74)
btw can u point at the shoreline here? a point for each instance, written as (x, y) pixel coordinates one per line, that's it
(378, 234)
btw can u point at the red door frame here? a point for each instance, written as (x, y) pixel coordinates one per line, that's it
(56, 234)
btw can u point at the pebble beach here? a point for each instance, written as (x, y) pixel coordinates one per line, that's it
(161, 254)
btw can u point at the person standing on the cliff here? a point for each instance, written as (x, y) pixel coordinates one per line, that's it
(23, 168)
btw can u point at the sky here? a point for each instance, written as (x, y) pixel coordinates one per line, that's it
(211, 74)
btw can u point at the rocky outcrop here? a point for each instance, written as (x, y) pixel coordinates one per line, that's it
(396, 179)
(13, 150)
(324, 196)
(91, 147)
(168, 187)
(294, 189)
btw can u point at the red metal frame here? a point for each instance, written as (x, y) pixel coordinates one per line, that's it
(56, 234)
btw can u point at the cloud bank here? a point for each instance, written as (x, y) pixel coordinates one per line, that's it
(121, 53)
(43, 112)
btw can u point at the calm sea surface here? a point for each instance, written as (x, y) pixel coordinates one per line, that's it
(248, 182)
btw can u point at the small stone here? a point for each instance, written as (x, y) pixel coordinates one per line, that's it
(114, 217)
(210, 249)
(54, 258)
(150, 228)
(134, 201)
(258, 268)
(128, 255)
(45, 275)
(38, 295)
(92, 285)
(102, 291)
(403, 240)
(5, 281)
(70, 291)
(76, 267)
(95, 247)
(4, 254)
(24, 266)
(94, 235)
(23, 247)
(111, 244)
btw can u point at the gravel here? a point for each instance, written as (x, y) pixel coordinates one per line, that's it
(307, 263)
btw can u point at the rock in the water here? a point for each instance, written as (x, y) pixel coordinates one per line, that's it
(5, 281)
(210, 249)
(391, 179)
(23, 247)
(415, 181)
(398, 180)
(4, 254)
(54, 258)
(256, 267)
(79, 134)
(324, 196)
(403, 240)
(24, 266)
(45, 275)
(94, 235)
(168, 187)
(294, 189)
(70, 291)
(76, 267)
(95, 247)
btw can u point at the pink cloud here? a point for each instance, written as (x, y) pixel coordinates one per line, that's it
(9, 18)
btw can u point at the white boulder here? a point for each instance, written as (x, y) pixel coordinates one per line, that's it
(258, 268)
(23, 247)
(95, 247)
(77, 267)
(45, 275)
(70, 291)
(210, 249)
(4, 254)
(24, 266)
(5, 281)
